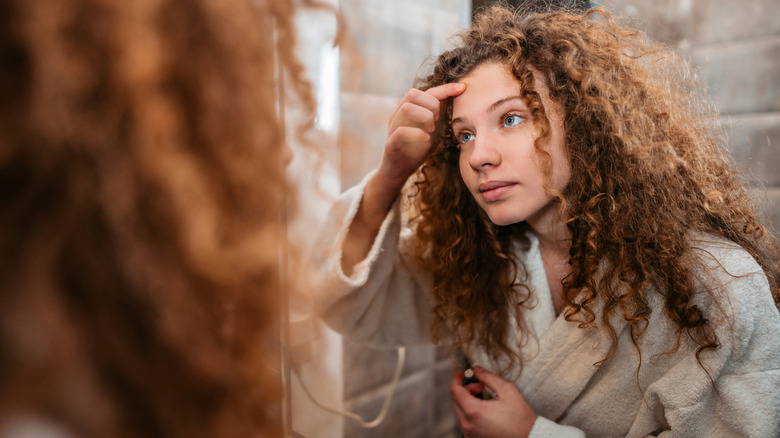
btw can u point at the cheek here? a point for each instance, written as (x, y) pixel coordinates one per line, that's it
(463, 165)
(563, 176)
(561, 168)
(467, 174)
(561, 160)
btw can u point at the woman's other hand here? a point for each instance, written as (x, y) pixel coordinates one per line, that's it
(506, 415)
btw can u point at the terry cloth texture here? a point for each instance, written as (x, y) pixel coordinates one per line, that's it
(386, 302)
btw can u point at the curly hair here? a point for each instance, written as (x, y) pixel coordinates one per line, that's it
(141, 185)
(649, 169)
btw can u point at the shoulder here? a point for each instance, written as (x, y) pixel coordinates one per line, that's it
(727, 272)
(724, 258)
(734, 291)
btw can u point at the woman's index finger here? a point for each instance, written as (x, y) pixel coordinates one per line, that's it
(445, 91)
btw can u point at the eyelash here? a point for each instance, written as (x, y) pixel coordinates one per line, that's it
(459, 135)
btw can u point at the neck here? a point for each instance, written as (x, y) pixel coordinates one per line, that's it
(554, 237)
(554, 243)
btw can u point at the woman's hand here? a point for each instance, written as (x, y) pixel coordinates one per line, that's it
(410, 135)
(410, 132)
(506, 415)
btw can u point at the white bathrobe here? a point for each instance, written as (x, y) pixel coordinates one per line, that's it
(386, 302)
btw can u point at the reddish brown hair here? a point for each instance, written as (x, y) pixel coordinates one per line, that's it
(141, 184)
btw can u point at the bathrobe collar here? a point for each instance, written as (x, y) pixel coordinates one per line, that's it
(563, 359)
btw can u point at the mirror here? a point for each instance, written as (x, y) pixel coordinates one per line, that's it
(358, 86)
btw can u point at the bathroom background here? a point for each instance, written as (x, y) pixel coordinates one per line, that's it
(734, 43)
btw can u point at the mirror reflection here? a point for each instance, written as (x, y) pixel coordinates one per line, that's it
(529, 247)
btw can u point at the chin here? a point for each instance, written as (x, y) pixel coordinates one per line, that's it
(502, 220)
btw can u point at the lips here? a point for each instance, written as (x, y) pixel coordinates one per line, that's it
(493, 190)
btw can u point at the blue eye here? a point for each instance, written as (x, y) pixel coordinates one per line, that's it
(465, 137)
(512, 121)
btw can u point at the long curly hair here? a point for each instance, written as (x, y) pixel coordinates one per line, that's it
(141, 186)
(649, 169)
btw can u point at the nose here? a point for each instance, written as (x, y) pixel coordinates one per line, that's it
(484, 152)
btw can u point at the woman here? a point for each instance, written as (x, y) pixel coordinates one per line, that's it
(141, 179)
(577, 229)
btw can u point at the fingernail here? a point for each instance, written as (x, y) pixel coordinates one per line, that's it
(478, 369)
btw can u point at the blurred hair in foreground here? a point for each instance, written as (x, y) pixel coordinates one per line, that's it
(141, 189)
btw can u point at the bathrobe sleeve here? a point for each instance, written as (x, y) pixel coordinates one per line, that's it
(386, 300)
(739, 393)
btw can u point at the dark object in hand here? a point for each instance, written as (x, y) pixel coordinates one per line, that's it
(469, 377)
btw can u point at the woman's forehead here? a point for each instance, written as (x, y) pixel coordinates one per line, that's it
(489, 86)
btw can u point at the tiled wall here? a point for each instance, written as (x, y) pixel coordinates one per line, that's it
(736, 46)
(393, 39)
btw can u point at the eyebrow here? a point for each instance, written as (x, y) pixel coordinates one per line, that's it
(492, 106)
